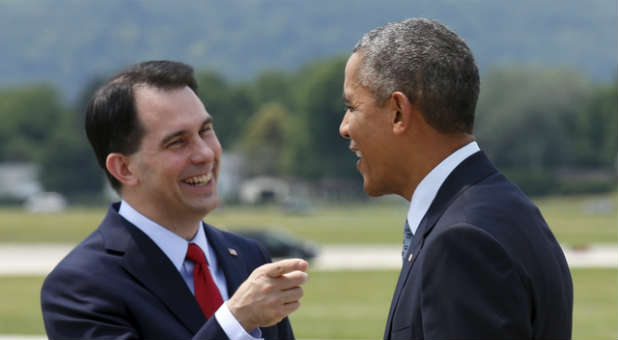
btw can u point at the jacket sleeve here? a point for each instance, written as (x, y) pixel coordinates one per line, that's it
(211, 330)
(472, 288)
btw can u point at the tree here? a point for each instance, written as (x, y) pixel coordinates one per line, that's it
(528, 121)
(273, 86)
(29, 116)
(265, 140)
(322, 152)
(70, 165)
(229, 105)
(70, 168)
(526, 117)
(597, 136)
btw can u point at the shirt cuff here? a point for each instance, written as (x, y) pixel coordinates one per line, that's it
(232, 328)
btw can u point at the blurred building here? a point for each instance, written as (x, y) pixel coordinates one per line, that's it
(19, 181)
(264, 190)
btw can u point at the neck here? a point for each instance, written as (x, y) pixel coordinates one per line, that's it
(427, 155)
(185, 225)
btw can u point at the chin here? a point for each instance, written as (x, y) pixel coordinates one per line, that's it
(205, 206)
(374, 193)
(372, 190)
(212, 204)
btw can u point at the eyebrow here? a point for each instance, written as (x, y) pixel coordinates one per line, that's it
(173, 135)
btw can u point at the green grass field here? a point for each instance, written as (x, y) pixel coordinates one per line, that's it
(574, 220)
(345, 305)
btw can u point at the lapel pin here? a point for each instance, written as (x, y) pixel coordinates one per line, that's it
(410, 257)
(232, 251)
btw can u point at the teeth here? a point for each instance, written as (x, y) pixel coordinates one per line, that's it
(198, 180)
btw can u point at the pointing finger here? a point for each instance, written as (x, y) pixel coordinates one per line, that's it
(293, 279)
(279, 268)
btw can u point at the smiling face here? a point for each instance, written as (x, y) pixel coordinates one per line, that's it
(176, 166)
(369, 127)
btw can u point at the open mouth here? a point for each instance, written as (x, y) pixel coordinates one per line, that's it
(359, 158)
(199, 180)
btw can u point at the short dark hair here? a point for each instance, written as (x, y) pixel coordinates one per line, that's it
(429, 63)
(112, 123)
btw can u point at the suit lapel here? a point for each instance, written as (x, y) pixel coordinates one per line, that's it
(150, 266)
(472, 170)
(229, 256)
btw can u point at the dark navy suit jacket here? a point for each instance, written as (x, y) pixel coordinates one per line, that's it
(118, 284)
(483, 265)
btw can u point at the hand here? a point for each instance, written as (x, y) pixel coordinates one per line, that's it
(269, 294)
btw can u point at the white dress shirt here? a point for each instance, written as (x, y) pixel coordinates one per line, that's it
(427, 189)
(175, 248)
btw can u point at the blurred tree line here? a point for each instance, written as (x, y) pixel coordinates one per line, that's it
(549, 130)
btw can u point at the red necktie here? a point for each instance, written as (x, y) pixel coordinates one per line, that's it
(206, 291)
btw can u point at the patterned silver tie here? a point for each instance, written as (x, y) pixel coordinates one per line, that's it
(408, 237)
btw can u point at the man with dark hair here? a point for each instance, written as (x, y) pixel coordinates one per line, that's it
(479, 261)
(153, 268)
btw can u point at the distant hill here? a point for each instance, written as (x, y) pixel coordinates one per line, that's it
(66, 42)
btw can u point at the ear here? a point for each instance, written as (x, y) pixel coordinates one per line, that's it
(403, 111)
(119, 166)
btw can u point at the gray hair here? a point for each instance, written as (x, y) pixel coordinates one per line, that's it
(427, 62)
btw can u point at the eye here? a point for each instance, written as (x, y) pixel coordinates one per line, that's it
(206, 129)
(175, 143)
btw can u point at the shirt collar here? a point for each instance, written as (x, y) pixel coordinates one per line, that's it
(172, 245)
(427, 189)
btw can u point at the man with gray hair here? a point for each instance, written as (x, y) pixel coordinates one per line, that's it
(479, 261)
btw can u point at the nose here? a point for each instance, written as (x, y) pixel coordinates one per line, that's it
(202, 152)
(343, 127)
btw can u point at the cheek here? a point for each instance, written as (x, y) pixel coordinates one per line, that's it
(215, 146)
(171, 167)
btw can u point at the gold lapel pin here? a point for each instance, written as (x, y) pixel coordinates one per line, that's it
(232, 251)
(410, 257)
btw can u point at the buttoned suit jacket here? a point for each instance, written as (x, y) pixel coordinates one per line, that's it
(119, 284)
(483, 264)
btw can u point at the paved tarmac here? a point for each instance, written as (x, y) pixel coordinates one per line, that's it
(40, 259)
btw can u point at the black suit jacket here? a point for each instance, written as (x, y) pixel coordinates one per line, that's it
(483, 264)
(118, 283)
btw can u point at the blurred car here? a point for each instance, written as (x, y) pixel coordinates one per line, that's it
(280, 244)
